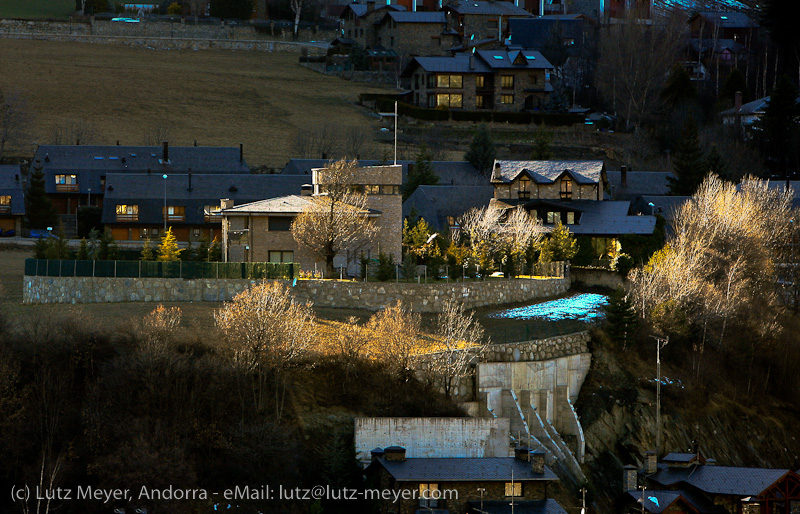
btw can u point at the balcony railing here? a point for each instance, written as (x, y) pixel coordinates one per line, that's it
(127, 217)
(176, 217)
(67, 188)
(213, 218)
(5, 209)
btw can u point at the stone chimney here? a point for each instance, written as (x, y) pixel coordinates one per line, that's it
(537, 461)
(376, 453)
(472, 60)
(623, 170)
(226, 203)
(737, 101)
(629, 481)
(395, 453)
(307, 190)
(165, 151)
(650, 462)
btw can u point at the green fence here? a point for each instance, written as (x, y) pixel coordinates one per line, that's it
(155, 269)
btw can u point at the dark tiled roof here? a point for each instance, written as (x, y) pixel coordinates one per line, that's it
(728, 19)
(666, 206)
(653, 183)
(147, 191)
(609, 218)
(436, 203)
(361, 9)
(504, 59)
(548, 506)
(726, 480)
(418, 17)
(679, 457)
(537, 32)
(486, 469)
(459, 63)
(655, 501)
(458, 173)
(717, 45)
(11, 184)
(488, 8)
(546, 172)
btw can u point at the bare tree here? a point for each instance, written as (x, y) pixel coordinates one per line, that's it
(461, 340)
(14, 119)
(73, 132)
(635, 60)
(157, 133)
(519, 231)
(267, 331)
(337, 220)
(395, 335)
(321, 141)
(297, 9)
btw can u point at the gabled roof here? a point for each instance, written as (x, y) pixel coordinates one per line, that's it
(292, 204)
(657, 501)
(11, 184)
(485, 469)
(727, 480)
(758, 106)
(459, 63)
(417, 16)
(436, 203)
(537, 32)
(717, 45)
(651, 183)
(361, 10)
(515, 59)
(487, 8)
(458, 173)
(548, 506)
(679, 457)
(546, 172)
(727, 19)
(609, 218)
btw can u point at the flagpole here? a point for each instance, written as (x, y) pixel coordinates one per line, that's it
(395, 132)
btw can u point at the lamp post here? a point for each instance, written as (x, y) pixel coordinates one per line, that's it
(89, 200)
(660, 343)
(652, 208)
(165, 203)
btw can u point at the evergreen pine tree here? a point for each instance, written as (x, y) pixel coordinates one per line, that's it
(215, 252)
(679, 89)
(715, 163)
(202, 249)
(735, 82)
(780, 123)
(621, 319)
(104, 247)
(168, 249)
(421, 173)
(386, 267)
(481, 151)
(542, 139)
(39, 210)
(188, 253)
(560, 246)
(83, 251)
(409, 267)
(557, 102)
(687, 162)
(147, 251)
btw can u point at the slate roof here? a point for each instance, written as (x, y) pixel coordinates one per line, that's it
(728, 19)
(609, 218)
(483, 469)
(459, 63)
(546, 172)
(361, 9)
(665, 206)
(504, 59)
(548, 506)
(291, 204)
(718, 45)
(436, 203)
(147, 191)
(536, 32)
(488, 8)
(727, 480)
(418, 17)
(663, 499)
(11, 184)
(458, 173)
(679, 457)
(651, 183)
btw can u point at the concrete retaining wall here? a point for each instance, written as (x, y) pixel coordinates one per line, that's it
(596, 277)
(354, 295)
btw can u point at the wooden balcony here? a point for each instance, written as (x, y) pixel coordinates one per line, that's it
(175, 217)
(67, 188)
(127, 217)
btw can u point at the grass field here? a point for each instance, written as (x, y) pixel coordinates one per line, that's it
(37, 9)
(215, 97)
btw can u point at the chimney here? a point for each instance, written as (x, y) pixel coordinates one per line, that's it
(395, 453)
(190, 180)
(472, 59)
(537, 461)
(241, 153)
(306, 190)
(624, 175)
(78, 142)
(629, 482)
(738, 101)
(650, 463)
(165, 153)
(226, 203)
(117, 142)
(522, 453)
(195, 142)
(376, 453)
(370, 5)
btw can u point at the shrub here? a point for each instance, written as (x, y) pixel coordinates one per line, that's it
(386, 267)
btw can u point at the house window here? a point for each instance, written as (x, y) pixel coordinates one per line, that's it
(174, 213)
(568, 41)
(553, 218)
(566, 188)
(196, 232)
(5, 203)
(570, 218)
(154, 232)
(725, 56)
(391, 41)
(449, 81)
(429, 495)
(524, 188)
(431, 81)
(513, 488)
(507, 99)
(144, 233)
(480, 81)
(66, 183)
(278, 256)
(127, 213)
(372, 189)
(390, 190)
(416, 81)
(479, 102)
(212, 214)
(431, 101)
(507, 81)
(280, 223)
(453, 101)
(535, 79)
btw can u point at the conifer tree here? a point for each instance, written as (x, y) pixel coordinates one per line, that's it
(39, 210)
(621, 318)
(421, 173)
(203, 249)
(542, 139)
(168, 249)
(560, 246)
(780, 123)
(688, 161)
(215, 252)
(481, 152)
(715, 163)
(83, 251)
(679, 89)
(735, 82)
(147, 251)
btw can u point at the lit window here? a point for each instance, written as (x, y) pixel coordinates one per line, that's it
(127, 213)
(449, 100)
(429, 495)
(480, 81)
(507, 81)
(390, 190)
(5, 203)
(212, 214)
(449, 81)
(372, 189)
(196, 232)
(506, 99)
(66, 183)
(570, 218)
(513, 488)
(479, 102)
(553, 218)
(279, 256)
(566, 188)
(524, 188)
(175, 212)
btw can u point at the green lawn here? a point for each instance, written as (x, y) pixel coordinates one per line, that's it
(36, 9)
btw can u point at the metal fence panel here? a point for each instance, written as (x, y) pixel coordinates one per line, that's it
(127, 269)
(156, 269)
(103, 268)
(84, 268)
(67, 269)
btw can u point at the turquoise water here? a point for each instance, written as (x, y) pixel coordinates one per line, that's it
(581, 307)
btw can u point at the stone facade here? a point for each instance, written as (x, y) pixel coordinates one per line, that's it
(258, 241)
(548, 191)
(361, 29)
(412, 39)
(596, 277)
(323, 293)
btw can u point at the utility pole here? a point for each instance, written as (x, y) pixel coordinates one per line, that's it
(660, 343)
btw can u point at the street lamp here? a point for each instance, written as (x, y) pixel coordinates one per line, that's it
(660, 343)
(652, 208)
(165, 203)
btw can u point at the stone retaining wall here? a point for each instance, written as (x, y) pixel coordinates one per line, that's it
(170, 43)
(596, 277)
(353, 295)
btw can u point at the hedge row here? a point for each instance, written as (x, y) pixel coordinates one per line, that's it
(421, 113)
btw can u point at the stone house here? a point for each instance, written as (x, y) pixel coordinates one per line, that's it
(261, 231)
(501, 80)
(359, 22)
(12, 200)
(415, 33)
(459, 485)
(482, 19)
(735, 26)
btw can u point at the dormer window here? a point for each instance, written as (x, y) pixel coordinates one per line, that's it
(524, 188)
(566, 188)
